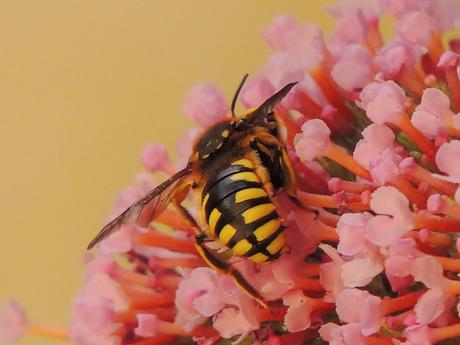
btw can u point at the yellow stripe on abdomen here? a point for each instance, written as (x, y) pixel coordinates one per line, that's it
(244, 162)
(249, 193)
(276, 244)
(245, 176)
(227, 233)
(264, 231)
(213, 218)
(257, 212)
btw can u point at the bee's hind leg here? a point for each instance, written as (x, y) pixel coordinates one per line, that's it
(213, 261)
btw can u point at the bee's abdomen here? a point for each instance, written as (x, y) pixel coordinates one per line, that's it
(240, 214)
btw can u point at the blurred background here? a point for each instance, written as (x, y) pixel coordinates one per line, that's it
(84, 86)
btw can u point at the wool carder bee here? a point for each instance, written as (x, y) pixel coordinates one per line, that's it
(237, 166)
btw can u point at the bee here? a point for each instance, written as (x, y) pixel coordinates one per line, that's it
(236, 167)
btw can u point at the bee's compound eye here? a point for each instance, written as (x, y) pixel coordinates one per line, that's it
(213, 139)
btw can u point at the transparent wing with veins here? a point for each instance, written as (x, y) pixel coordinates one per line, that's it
(145, 210)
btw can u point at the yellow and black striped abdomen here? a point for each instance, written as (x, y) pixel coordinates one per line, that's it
(241, 215)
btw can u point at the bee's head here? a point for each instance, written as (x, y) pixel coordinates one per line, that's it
(213, 139)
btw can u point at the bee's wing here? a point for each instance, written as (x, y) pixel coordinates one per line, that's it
(142, 212)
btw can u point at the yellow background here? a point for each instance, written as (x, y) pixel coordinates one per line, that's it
(84, 86)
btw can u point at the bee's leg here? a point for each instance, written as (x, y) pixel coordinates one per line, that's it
(221, 266)
(213, 261)
(283, 163)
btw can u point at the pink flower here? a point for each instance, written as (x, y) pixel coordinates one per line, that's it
(385, 167)
(416, 28)
(448, 59)
(353, 69)
(147, 325)
(383, 102)
(275, 33)
(433, 114)
(204, 293)
(367, 316)
(184, 147)
(376, 139)
(417, 335)
(445, 161)
(394, 218)
(13, 321)
(352, 232)
(348, 334)
(393, 57)
(256, 90)
(313, 140)
(399, 8)
(231, 322)
(155, 158)
(120, 241)
(205, 104)
(349, 29)
(371, 9)
(298, 315)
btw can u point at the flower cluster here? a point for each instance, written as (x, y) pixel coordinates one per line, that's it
(373, 131)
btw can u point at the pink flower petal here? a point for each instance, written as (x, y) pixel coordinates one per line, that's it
(353, 70)
(447, 158)
(360, 272)
(376, 138)
(427, 270)
(351, 229)
(275, 33)
(205, 104)
(383, 102)
(155, 158)
(313, 140)
(232, 322)
(430, 306)
(416, 28)
(367, 315)
(393, 57)
(298, 315)
(433, 113)
(256, 91)
(147, 325)
(13, 321)
(417, 335)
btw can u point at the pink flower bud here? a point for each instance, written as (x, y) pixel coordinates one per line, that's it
(313, 140)
(383, 102)
(417, 335)
(205, 104)
(155, 158)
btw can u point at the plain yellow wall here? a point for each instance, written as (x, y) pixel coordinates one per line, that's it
(84, 85)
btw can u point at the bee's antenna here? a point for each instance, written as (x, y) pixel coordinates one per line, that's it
(237, 93)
